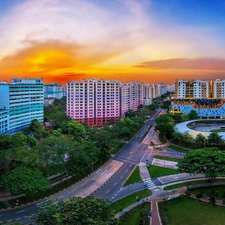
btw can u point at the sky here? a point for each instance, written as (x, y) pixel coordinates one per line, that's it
(131, 40)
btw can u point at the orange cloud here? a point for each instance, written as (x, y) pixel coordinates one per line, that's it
(53, 58)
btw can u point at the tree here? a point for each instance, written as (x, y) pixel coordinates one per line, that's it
(38, 128)
(178, 137)
(32, 141)
(165, 129)
(214, 138)
(57, 132)
(76, 130)
(53, 152)
(192, 115)
(165, 118)
(90, 149)
(187, 137)
(130, 113)
(19, 140)
(208, 161)
(25, 180)
(22, 156)
(166, 105)
(5, 141)
(177, 117)
(77, 210)
(55, 114)
(78, 164)
(200, 140)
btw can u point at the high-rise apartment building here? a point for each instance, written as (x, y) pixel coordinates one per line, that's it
(94, 101)
(132, 96)
(23, 99)
(148, 93)
(53, 91)
(195, 89)
(4, 121)
(218, 88)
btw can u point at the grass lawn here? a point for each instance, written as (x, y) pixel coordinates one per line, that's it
(174, 186)
(129, 200)
(134, 177)
(218, 190)
(170, 187)
(177, 148)
(167, 158)
(191, 212)
(133, 218)
(157, 171)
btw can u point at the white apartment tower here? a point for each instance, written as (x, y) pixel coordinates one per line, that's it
(148, 93)
(131, 96)
(218, 88)
(93, 101)
(200, 89)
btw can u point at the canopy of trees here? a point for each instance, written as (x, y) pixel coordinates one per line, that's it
(208, 161)
(192, 115)
(25, 180)
(83, 211)
(165, 125)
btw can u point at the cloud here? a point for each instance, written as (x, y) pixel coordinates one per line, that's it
(54, 38)
(80, 21)
(184, 63)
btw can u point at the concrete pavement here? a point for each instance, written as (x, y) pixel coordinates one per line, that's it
(144, 173)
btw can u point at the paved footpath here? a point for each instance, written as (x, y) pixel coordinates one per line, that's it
(155, 219)
(144, 173)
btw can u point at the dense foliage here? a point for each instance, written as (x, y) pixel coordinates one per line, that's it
(77, 210)
(208, 161)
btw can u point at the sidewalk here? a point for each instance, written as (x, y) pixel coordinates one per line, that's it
(144, 173)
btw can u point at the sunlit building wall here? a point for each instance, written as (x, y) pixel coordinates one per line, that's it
(132, 95)
(94, 102)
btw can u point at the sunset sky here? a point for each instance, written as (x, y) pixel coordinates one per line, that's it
(141, 40)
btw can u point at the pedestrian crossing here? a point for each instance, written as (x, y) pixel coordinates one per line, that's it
(149, 183)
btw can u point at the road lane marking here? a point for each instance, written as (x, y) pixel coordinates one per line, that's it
(107, 191)
(72, 190)
(40, 203)
(25, 217)
(121, 177)
(115, 183)
(130, 165)
(18, 218)
(126, 171)
(20, 211)
(98, 171)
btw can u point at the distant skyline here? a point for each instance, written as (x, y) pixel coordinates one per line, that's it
(131, 40)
